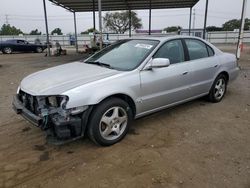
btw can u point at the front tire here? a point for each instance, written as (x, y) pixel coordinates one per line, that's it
(7, 50)
(109, 122)
(218, 89)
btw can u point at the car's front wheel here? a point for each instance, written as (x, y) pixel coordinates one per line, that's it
(218, 89)
(109, 122)
(7, 50)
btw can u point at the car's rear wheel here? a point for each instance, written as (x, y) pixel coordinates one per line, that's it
(39, 50)
(109, 122)
(218, 89)
(7, 50)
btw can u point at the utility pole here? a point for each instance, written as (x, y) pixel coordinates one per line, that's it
(190, 21)
(76, 41)
(194, 19)
(7, 19)
(205, 21)
(46, 25)
(150, 17)
(241, 32)
(100, 21)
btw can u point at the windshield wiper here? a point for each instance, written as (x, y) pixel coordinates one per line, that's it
(99, 64)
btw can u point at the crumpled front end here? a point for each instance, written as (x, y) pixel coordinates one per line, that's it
(50, 114)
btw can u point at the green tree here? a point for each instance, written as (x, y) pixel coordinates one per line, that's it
(90, 30)
(118, 22)
(213, 28)
(173, 29)
(235, 24)
(7, 29)
(57, 31)
(35, 32)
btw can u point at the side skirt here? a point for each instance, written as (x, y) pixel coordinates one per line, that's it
(168, 106)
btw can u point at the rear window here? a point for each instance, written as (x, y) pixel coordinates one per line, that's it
(11, 41)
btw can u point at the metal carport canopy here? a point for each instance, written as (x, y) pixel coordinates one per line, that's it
(112, 5)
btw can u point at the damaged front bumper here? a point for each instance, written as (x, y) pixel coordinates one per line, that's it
(20, 109)
(60, 129)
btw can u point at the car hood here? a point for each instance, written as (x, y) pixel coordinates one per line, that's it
(59, 79)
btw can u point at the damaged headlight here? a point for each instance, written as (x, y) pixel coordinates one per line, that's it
(64, 101)
(57, 101)
(53, 101)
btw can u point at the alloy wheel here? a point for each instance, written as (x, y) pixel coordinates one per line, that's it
(220, 88)
(113, 123)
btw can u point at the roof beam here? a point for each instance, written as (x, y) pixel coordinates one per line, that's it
(112, 5)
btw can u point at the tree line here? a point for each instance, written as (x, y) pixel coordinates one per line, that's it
(7, 29)
(119, 22)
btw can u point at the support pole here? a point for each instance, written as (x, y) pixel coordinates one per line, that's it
(46, 25)
(190, 21)
(76, 42)
(100, 21)
(94, 15)
(149, 24)
(130, 24)
(193, 19)
(241, 32)
(205, 21)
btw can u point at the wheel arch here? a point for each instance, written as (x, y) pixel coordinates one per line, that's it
(225, 73)
(7, 46)
(124, 97)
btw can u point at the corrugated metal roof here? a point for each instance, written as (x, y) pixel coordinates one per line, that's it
(112, 5)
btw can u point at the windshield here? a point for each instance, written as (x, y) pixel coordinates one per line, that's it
(124, 55)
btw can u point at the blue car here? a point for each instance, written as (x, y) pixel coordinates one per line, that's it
(14, 45)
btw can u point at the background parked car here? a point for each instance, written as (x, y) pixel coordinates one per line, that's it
(14, 45)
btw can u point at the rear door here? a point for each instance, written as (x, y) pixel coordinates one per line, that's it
(203, 64)
(30, 47)
(168, 85)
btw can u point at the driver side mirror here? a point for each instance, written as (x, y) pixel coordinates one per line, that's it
(158, 63)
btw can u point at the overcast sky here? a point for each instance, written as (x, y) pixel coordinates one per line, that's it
(28, 15)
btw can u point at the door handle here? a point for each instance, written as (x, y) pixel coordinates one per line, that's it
(184, 73)
(215, 66)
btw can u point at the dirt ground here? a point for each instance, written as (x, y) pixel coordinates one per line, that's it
(195, 145)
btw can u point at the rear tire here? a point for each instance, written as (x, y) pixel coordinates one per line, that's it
(7, 50)
(218, 89)
(109, 122)
(39, 50)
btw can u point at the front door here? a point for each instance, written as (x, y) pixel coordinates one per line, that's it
(165, 86)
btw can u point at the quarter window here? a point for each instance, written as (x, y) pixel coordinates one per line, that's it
(197, 49)
(173, 50)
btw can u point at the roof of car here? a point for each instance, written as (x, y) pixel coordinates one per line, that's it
(164, 38)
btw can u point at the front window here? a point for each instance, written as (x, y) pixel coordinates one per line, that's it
(172, 50)
(124, 55)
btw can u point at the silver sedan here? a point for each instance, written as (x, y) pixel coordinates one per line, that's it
(129, 79)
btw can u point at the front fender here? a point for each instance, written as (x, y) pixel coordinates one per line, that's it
(93, 93)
